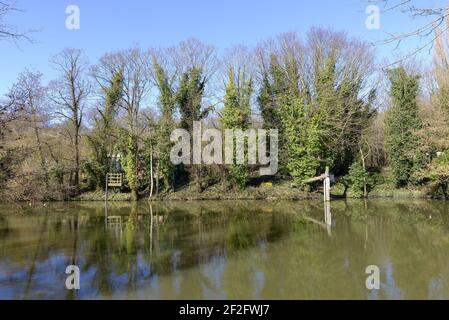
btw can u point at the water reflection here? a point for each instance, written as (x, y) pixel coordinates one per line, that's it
(327, 224)
(217, 250)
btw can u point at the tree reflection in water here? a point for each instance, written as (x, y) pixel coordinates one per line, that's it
(217, 250)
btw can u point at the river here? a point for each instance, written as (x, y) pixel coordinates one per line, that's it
(226, 250)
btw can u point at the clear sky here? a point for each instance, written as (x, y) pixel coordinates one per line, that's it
(107, 25)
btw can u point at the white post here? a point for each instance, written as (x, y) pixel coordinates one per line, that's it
(327, 186)
(327, 214)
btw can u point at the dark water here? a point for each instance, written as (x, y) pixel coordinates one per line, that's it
(226, 250)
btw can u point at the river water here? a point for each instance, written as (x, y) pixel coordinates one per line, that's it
(226, 250)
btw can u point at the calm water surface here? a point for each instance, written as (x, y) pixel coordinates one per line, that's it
(226, 250)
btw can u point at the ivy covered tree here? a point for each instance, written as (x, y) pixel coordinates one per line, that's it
(296, 121)
(165, 126)
(189, 100)
(102, 140)
(235, 115)
(302, 138)
(402, 122)
(315, 93)
(272, 84)
(136, 86)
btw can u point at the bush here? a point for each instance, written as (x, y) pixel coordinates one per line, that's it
(358, 178)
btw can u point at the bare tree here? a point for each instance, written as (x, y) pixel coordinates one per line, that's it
(193, 53)
(8, 31)
(29, 95)
(434, 25)
(9, 111)
(242, 60)
(69, 94)
(136, 85)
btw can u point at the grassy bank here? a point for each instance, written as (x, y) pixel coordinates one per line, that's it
(281, 191)
(383, 191)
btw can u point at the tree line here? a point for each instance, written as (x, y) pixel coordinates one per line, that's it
(325, 93)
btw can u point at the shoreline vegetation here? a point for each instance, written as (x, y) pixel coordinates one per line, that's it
(271, 191)
(381, 133)
(276, 192)
(251, 194)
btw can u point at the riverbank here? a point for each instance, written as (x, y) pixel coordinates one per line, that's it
(386, 190)
(275, 192)
(282, 191)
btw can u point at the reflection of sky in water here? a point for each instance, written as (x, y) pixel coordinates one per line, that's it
(258, 284)
(244, 256)
(436, 289)
(175, 259)
(213, 271)
(390, 288)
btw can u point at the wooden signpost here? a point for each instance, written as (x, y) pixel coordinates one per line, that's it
(114, 180)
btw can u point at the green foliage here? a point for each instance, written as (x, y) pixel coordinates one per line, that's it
(343, 115)
(130, 163)
(320, 116)
(237, 110)
(301, 139)
(271, 86)
(165, 126)
(402, 121)
(127, 147)
(236, 114)
(357, 179)
(95, 174)
(436, 176)
(56, 174)
(101, 141)
(189, 98)
(299, 129)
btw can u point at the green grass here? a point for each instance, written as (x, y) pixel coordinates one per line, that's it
(100, 195)
(281, 191)
(278, 191)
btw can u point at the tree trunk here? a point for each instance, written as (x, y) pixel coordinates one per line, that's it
(40, 149)
(151, 174)
(365, 187)
(134, 195)
(157, 179)
(76, 180)
(224, 178)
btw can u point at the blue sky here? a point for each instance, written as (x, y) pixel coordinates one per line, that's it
(107, 25)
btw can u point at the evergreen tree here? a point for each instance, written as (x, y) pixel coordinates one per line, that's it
(301, 132)
(297, 122)
(165, 126)
(271, 86)
(236, 116)
(189, 100)
(402, 121)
